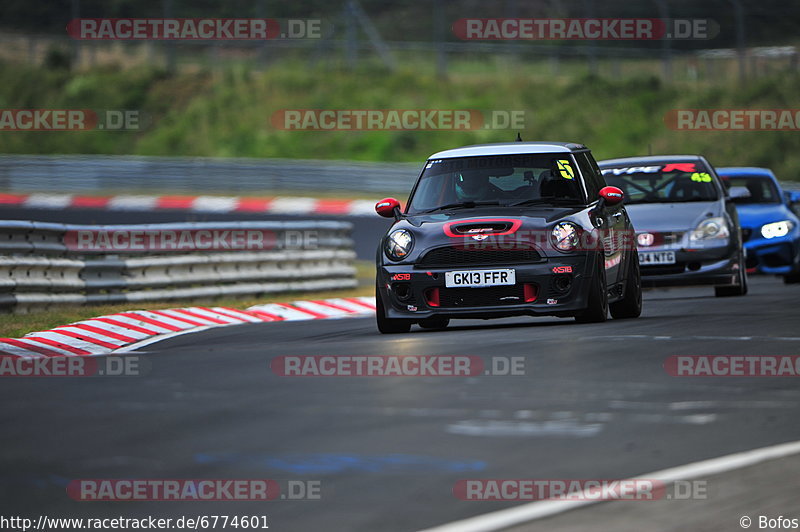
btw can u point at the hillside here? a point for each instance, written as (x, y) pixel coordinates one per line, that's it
(229, 113)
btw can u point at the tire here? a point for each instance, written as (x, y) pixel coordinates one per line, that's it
(388, 325)
(434, 323)
(597, 305)
(631, 305)
(739, 289)
(792, 278)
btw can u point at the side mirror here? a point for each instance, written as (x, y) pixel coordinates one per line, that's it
(388, 208)
(612, 195)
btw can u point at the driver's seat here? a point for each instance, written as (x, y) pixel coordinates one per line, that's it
(556, 188)
(524, 192)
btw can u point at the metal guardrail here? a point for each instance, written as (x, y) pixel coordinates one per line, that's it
(41, 265)
(73, 173)
(758, 51)
(100, 173)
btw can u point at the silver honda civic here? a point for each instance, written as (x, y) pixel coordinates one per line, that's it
(687, 228)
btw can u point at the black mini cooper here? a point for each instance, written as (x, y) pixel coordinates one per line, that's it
(497, 230)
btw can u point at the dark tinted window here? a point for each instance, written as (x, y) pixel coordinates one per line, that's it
(664, 183)
(594, 180)
(501, 180)
(598, 172)
(756, 189)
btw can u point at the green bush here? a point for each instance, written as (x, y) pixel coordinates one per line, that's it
(227, 113)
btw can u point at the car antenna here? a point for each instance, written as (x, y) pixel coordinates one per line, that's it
(519, 138)
(649, 149)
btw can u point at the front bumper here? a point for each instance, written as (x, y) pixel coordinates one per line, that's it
(709, 266)
(775, 256)
(407, 291)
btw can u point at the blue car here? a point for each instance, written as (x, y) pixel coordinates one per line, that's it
(770, 226)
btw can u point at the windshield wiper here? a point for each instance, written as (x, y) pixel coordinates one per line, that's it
(551, 201)
(462, 205)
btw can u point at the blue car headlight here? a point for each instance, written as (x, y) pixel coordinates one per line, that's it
(777, 229)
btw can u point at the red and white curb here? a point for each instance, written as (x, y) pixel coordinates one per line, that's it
(126, 330)
(223, 204)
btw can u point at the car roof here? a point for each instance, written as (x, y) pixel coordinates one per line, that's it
(648, 160)
(509, 148)
(752, 171)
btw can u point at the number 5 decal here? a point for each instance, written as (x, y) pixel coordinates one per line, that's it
(565, 169)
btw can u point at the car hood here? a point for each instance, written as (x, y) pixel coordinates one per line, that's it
(666, 217)
(501, 225)
(539, 216)
(755, 215)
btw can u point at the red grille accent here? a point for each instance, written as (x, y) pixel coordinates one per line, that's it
(432, 297)
(531, 292)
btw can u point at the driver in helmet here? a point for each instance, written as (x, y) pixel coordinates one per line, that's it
(473, 185)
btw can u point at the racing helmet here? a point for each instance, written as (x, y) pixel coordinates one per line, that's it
(471, 185)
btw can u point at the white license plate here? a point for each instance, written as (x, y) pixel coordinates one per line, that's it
(478, 278)
(656, 257)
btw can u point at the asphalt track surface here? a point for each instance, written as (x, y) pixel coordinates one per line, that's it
(594, 403)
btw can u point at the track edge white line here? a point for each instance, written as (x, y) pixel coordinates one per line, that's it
(517, 515)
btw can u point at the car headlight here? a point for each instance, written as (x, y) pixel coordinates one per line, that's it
(776, 229)
(398, 244)
(711, 229)
(565, 236)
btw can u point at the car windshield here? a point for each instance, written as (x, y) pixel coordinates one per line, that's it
(663, 183)
(753, 189)
(513, 180)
